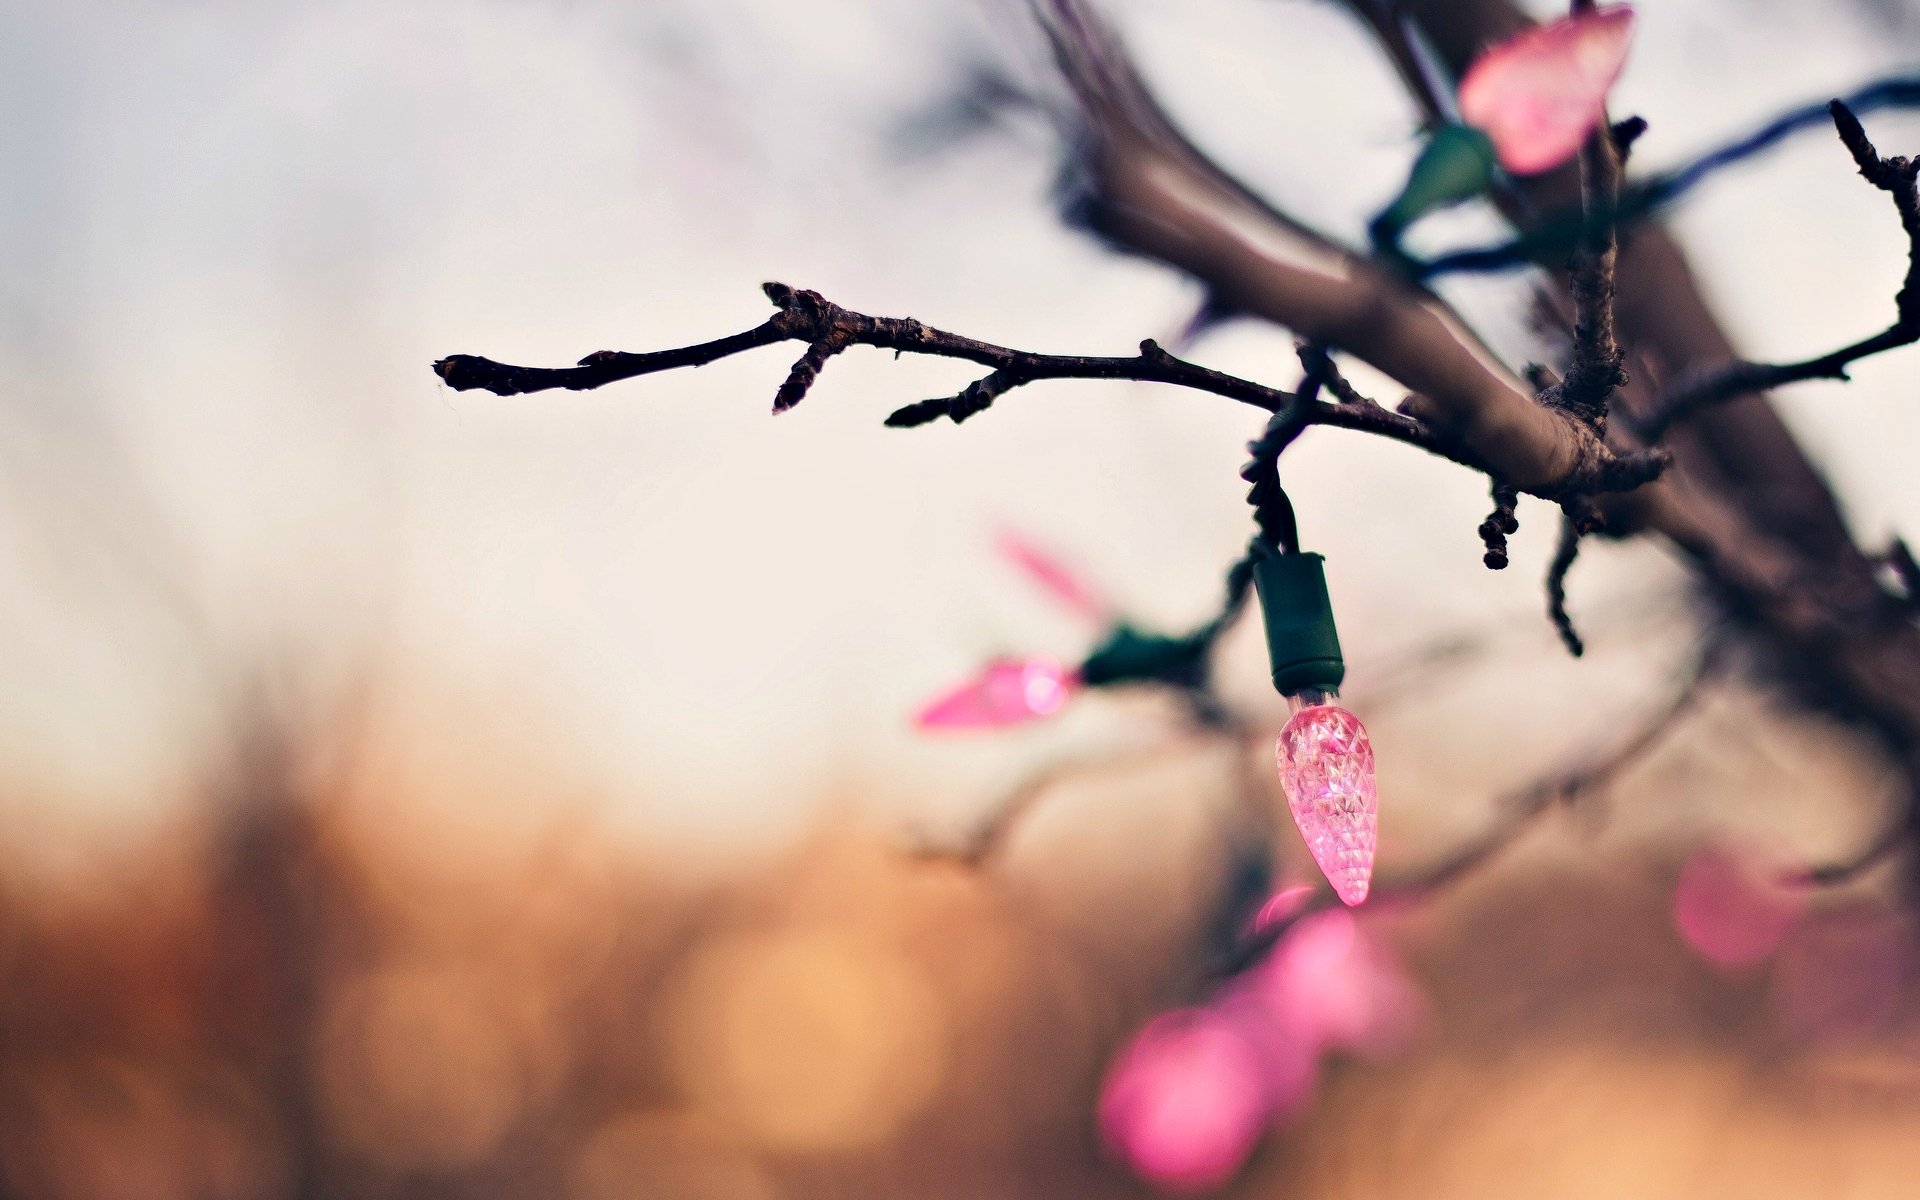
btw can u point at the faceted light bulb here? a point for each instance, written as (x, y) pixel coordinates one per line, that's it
(1326, 769)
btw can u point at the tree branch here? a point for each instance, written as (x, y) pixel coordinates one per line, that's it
(1143, 186)
(828, 328)
(1597, 366)
(1894, 176)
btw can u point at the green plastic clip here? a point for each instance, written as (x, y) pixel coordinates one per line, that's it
(1301, 640)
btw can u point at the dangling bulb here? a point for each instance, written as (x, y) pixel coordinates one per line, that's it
(1325, 758)
(1326, 769)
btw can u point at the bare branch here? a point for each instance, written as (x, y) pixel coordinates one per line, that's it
(1894, 176)
(1597, 367)
(1834, 874)
(1145, 187)
(828, 329)
(1590, 773)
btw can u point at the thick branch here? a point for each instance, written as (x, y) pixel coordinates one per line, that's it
(1741, 450)
(1146, 187)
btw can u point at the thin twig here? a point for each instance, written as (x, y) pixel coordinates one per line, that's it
(1894, 176)
(1845, 871)
(1592, 772)
(828, 328)
(1563, 557)
(1503, 520)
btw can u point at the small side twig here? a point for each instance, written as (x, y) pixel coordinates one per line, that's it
(1590, 773)
(1563, 558)
(1502, 521)
(1835, 874)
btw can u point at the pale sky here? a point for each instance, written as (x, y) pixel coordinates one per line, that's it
(237, 234)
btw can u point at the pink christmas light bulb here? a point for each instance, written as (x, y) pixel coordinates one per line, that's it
(1736, 905)
(1332, 985)
(1538, 95)
(1053, 577)
(1007, 691)
(1186, 1102)
(1326, 769)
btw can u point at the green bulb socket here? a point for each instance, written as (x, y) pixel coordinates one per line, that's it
(1301, 641)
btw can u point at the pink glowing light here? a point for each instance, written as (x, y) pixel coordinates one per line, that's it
(1326, 769)
(1008, 691)
(1736, 905)
(1332, 985)
(1186, 1102)
(1283, 905)
(1539, 94)
(1053, 577)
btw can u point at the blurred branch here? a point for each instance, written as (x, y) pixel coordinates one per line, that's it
(1592, 772)
(1897, 834)
(1586, 775)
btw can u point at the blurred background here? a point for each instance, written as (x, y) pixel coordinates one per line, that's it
(410, 792)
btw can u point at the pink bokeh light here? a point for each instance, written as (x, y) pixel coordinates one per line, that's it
(1283, 905)
(1007, 691)
(1185, 1104)
(1332, 985)
(1736, 905)
(1539, 94)
(1055, 578)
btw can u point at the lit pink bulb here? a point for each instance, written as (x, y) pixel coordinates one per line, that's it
(1186, 1102)
(1735, 905)
(1539, 94)
(1326, 769)
(1008, 691)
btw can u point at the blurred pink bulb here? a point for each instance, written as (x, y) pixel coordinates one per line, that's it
(1736, 905)
(1283, 905)
(1539, 95)
(1326, 769)
(1008, 691)
(1332, 985)
(1185, 1103)
(1053, 577)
